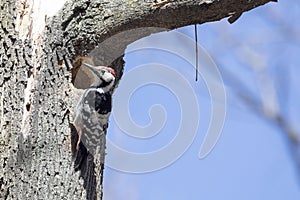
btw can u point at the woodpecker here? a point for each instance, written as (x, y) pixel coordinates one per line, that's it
(94, 107)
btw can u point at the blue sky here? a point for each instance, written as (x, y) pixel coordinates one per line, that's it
(251, 159)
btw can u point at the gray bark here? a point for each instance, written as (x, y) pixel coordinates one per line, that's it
(35, 74)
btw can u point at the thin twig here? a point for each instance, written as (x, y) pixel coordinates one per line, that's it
(196, 39)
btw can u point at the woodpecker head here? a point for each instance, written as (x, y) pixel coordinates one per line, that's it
(104, 76)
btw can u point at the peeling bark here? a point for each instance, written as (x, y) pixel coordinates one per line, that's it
(36, 53)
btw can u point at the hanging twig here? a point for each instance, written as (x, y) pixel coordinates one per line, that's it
(196, 39)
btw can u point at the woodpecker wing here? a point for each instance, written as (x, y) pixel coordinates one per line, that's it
(94, 109)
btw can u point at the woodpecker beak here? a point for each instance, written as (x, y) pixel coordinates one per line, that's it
(111, 70)
(92, 68)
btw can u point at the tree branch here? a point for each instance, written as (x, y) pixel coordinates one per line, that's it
(84, 24)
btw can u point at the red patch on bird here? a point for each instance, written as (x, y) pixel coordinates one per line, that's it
(111, 70)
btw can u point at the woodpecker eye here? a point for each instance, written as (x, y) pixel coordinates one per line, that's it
(102, 71)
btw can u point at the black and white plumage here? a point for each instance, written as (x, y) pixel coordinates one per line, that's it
(90, 109)
(93, 108)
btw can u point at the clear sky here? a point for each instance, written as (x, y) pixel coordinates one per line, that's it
(251, 159)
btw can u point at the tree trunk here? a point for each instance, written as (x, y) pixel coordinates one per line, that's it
(36, 100)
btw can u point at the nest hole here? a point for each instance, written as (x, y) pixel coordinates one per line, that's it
(82, 78)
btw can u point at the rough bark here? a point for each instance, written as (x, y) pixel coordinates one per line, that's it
(35, 97)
